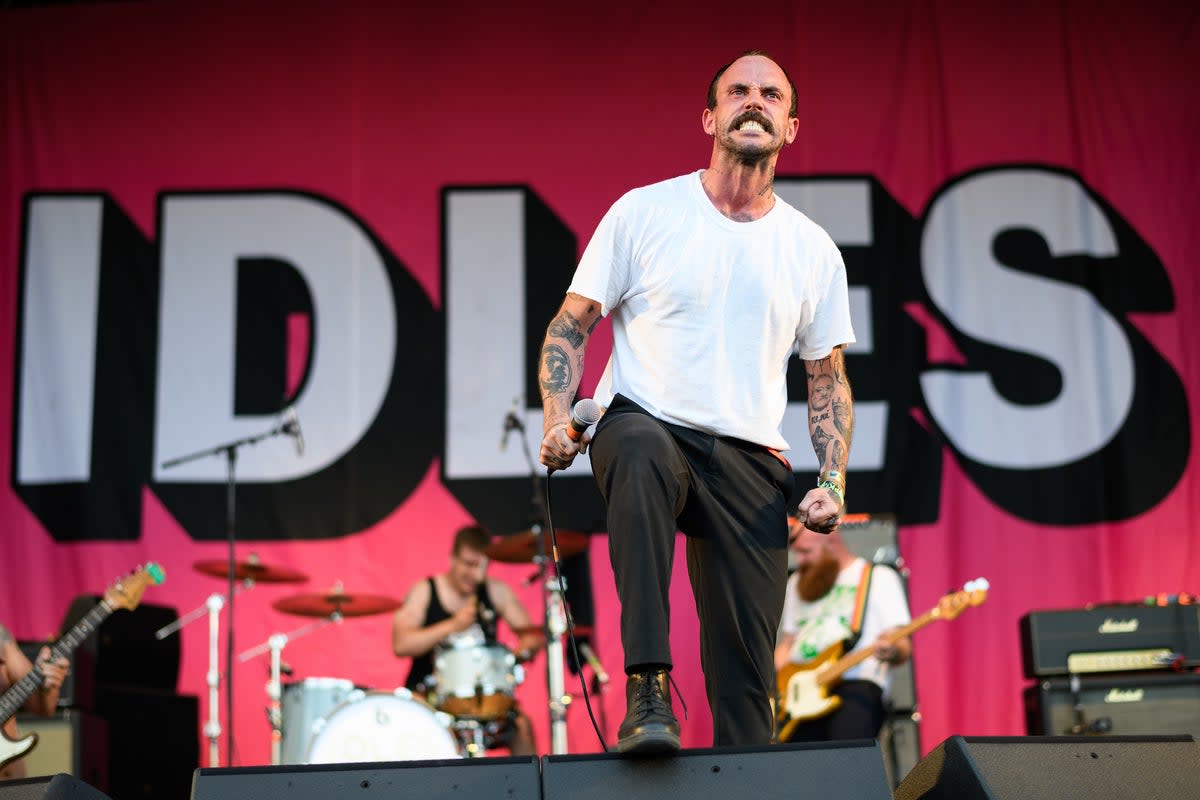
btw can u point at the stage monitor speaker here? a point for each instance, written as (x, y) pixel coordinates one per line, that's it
(1057, 768)
(57, 787)
(512, 778)
(1135, 704)
(830, 771)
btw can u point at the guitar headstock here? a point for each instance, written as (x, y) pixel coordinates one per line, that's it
(127, 592)
(973, 594)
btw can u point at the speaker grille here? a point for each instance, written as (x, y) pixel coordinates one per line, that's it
(1057, 768)
(831, 771)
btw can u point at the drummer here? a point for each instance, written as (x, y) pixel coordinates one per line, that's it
(464, 603)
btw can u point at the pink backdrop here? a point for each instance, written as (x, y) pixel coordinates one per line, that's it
(379, 109)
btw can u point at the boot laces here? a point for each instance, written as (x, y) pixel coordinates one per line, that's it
(646, 696)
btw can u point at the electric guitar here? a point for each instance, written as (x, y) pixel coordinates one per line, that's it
(804, 688)
(124, 593)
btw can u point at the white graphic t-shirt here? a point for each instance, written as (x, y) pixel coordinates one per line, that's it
(826, 621)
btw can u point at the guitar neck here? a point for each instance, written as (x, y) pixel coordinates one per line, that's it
(20, 691)
(833, 673)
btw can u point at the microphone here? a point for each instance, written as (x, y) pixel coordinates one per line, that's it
(585, 414)
(593, 662)
(291, 426)
(511, 422)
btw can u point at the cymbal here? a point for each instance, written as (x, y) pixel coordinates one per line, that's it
(347, 604)
(522, 547)
(249, 570)
(523, 630)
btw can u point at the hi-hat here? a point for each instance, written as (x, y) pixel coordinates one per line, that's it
(250, 570)
(346, 604)
(523, 547)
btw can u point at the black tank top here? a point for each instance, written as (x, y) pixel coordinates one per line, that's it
(422, 665)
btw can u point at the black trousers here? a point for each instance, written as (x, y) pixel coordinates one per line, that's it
(730, 498)
(860, 716)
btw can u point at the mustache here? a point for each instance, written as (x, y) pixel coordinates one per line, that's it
(755, 116)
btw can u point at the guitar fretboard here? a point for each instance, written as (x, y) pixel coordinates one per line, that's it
(20, 691)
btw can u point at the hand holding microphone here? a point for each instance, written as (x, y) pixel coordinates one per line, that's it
(557, 454)
(585, 414)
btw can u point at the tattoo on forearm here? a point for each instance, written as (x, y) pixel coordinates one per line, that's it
(565, 326)
(820, 441)
(837, 459)
(831, 410)
(843, 418)
(555, 373)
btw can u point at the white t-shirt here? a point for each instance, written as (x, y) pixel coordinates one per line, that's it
(706, 311)
(826, 621)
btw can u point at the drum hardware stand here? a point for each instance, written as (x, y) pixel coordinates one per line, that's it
(229, 449)
(556, 626)
(476, 748)
(275, 643)
(212, 606)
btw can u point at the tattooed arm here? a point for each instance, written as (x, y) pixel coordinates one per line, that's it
(560, 367)
(831, 427)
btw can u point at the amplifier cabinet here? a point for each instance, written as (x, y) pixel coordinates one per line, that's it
(70, 741)
(900, 741)
(1139, 704)
(1050, 638)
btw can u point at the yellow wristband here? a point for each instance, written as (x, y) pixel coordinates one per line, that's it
(835, 490)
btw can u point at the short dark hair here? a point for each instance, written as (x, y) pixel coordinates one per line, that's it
(712, 87)
(474, 537)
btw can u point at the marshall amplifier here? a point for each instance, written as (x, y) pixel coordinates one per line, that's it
(1117, 638)
(1142, 704)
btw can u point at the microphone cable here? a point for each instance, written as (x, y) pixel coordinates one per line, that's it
(562, 588)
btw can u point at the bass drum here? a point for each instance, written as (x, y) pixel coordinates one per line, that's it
(304, 704)
(383, 726)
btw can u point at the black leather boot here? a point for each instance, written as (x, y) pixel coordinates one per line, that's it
(650, 725)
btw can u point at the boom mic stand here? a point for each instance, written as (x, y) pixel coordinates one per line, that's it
(230, 450)
(553, 602)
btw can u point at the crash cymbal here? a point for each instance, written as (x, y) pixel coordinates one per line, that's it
(522, 547)
(249, 570)
(580, 630)
(347, 604)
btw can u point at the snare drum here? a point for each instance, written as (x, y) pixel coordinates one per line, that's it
(382, 726)
(476, 680)
(303, 705)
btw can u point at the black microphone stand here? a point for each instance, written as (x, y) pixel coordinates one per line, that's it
(230, 450)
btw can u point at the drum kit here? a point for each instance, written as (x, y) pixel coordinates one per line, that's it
(471, 695)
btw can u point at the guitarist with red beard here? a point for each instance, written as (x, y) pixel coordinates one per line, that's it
(13, 667)
(826, 596)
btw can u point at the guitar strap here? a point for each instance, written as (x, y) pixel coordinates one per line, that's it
(860, 606)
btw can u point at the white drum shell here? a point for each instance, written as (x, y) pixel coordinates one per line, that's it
(382, 726)
(476, 680)
(303, 705)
